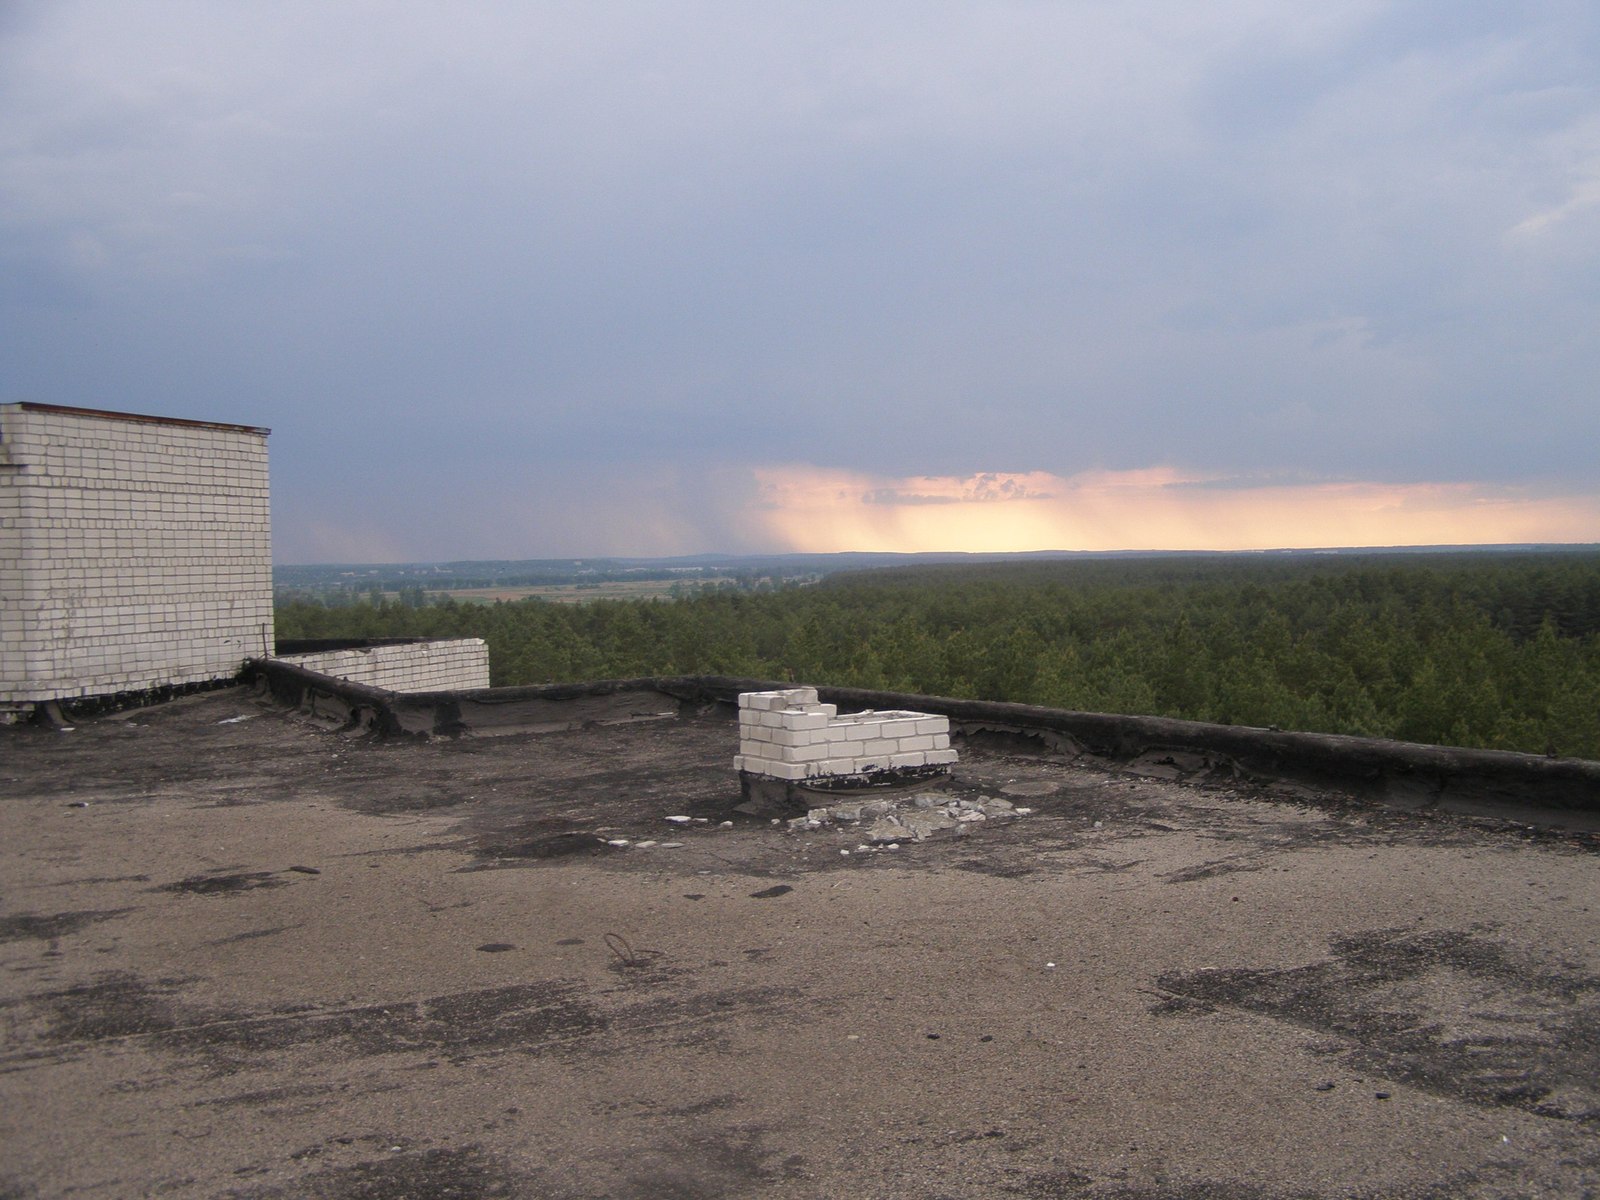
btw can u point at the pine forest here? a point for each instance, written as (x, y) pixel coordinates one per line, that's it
(1494, 650)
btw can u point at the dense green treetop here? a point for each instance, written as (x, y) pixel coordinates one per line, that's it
(1491, 650)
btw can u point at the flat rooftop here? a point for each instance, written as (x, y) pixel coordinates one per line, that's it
(245, 956)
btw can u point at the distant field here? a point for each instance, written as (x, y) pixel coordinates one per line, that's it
(570, 593)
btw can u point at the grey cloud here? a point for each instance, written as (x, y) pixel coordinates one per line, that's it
(981, 489)
(898, 496)
(932, 239)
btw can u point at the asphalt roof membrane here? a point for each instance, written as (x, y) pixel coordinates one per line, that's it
(243, 955)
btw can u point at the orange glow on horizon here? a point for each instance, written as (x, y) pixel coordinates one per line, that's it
(819, 510)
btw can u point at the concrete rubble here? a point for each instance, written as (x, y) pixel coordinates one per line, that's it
(912, 819)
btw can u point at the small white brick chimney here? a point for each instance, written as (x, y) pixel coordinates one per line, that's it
(788, 735)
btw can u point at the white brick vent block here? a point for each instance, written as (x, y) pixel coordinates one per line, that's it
(787, 735)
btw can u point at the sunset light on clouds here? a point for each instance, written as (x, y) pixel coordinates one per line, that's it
(815, 510)
(797, 508)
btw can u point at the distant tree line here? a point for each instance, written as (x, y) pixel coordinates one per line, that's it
(1498, 651)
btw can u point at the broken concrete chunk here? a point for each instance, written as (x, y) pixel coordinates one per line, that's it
(924, 825)
(846, 812)
(885, 831)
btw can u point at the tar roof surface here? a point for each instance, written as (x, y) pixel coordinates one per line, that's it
(243, 956)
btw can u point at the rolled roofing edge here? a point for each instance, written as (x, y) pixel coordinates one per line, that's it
(1372, 767)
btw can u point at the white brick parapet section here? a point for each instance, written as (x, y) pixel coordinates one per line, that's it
(444, 665)
(788, 735)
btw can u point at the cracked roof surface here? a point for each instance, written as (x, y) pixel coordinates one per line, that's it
(254, 958)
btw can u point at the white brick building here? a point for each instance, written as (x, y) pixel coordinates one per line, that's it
(135, 552)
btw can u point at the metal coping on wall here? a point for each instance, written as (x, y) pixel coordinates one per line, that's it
(142, 418)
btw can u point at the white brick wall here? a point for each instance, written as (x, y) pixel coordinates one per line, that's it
(135, 552)
(446, 665)
(788, 735)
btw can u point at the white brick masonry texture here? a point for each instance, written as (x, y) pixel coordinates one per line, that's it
(447, 665)
(135, 552)
(788, 735)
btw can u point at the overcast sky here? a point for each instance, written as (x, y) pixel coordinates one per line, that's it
(548, 279)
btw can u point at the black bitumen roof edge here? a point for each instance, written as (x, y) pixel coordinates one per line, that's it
(1396, 772)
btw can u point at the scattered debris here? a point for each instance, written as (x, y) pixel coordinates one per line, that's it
(679, 820)
(924, 825)
(235, 720)
(306, 870)
(778, 889)
(885, 831)
(915, 819)
(626, 955)
(496, 947)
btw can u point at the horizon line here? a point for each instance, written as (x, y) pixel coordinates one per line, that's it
(1398, 548)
